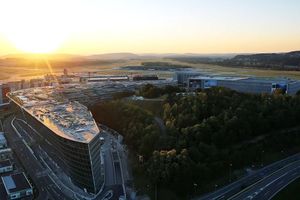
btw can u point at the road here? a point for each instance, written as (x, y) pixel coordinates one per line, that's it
(262, 184)
(269, 186)
(160, 124)
(43, 184)
(113, 173)
(27, 143)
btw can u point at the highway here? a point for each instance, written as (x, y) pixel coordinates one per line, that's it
(262, 184)
(270, 185)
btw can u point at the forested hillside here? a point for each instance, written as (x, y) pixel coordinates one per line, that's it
(207, 134)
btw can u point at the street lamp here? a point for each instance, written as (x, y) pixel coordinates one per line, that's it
(262, 157)
(1, 125)
(230, 166)
(216, 186)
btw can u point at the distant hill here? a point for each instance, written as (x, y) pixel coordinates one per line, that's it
(281, 61)
(114, 56)
(66, 57)
(63, 60)
(277, 61)
(30, 56)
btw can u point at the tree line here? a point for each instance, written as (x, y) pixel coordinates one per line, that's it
(207, 134)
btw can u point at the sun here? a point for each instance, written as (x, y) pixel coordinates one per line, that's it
(33, 41)
(37, 41)
(36, 26)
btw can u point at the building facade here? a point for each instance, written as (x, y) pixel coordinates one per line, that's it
(5, 166)
(71, 131)
(3, 142)
(183, 77)
(4, 89)
(5, 154)
(17, 186)
(246, 84)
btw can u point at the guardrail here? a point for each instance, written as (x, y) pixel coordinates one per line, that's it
(231, 189)
(116, 134)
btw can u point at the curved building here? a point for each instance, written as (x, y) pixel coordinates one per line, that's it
(70, 129)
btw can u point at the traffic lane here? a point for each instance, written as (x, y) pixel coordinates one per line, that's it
(24, 156)
(23, 131)
(109, 169)
(57, 192)
(228, 191)
(32, 166)
(118, 173)
(279, 184)
(117, 191)
(110, 172)
(255, 189)
(45, 145)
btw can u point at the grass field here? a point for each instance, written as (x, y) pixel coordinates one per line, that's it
(291, 192)
(18, 72)
(243, 71)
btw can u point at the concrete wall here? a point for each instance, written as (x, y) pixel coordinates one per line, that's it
(293, 88)
(247, 86)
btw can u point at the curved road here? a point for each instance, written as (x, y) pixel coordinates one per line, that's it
(269, 186)
(262, 184)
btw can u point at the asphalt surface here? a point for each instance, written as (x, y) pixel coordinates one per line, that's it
(261, 184)
(262, 189)
(44, 186)
(112, 168)
(113, 176)
(269, 186)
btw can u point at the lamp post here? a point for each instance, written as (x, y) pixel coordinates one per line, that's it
(216, 187)
(195, 187)
(230, 166)
(262, 158)
(1, 125)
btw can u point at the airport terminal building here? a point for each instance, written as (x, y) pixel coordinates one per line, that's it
(241, 84)
(70, 129)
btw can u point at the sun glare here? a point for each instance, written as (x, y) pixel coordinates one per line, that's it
(36, 42)
(36, 26)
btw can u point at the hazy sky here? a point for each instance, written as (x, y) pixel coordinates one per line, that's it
(150, 26)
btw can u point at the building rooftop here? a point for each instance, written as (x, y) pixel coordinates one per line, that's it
(2, 138)
(15, 182)
(5, 163)
(67, 119)
(229, 78)
(6, 150)
(250, 79)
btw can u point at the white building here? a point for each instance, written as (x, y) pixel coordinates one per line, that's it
(5, 166)
(246, 84)
(17, 186)
(3, 142)
(5, 154)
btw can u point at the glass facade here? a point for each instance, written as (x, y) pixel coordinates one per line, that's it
(81, 158)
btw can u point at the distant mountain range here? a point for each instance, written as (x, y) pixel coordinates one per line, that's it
(65, 57)
(278, 61)
(282, 61)
(110, 56)
(114, 56)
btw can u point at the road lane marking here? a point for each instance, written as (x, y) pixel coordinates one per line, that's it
(249, 187)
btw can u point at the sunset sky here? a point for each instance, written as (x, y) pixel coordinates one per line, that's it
(149, 26)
